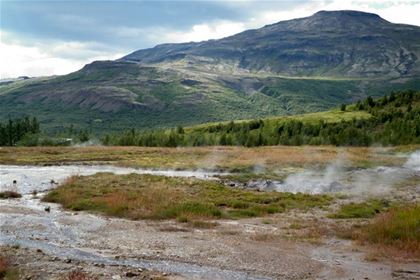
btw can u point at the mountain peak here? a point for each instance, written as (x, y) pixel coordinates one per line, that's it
(349, 18)
(346, 13)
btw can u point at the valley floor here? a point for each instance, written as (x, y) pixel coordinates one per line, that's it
(295, 244)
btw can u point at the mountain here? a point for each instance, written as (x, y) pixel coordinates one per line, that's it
(341, 43)
(295, 66)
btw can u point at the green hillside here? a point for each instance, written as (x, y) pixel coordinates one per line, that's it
(390, 120)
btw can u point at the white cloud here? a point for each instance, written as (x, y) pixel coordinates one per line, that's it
(394, 11)
(47, 59)
(24, 57)
(205, 31)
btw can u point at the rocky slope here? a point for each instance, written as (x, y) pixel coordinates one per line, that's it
(294, 66)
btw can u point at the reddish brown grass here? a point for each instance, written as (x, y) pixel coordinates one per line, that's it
(79, 275)
(4, 266)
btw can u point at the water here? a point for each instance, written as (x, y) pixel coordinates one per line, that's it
(63, 234)
(42, 178)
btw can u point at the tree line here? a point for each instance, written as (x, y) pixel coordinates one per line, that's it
(395, 120)
(14, 130)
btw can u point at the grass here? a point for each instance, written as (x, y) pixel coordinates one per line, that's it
(6, 271)
(331, 116)
(366, 209)
(78, 275)
(9, 194)
(228, 158)
(137, 196)
(398, 228)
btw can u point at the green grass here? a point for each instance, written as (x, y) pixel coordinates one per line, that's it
(136, 196)
(366, 209)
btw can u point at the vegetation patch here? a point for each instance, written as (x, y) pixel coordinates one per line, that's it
(7, 272)
(9, 194)
(137, 196)
(397, 228)
(390, 120)
(366, 209)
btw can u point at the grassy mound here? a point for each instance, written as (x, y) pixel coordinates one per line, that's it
(137, 196)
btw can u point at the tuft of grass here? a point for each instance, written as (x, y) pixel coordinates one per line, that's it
(136, 196)
(397, 228)
(3, 267)
(366, 209)
(9, 194)
(6, 271)
(203, 224)
(79, 275)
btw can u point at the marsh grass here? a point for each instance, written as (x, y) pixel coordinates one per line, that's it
(237, 159)
(398, 228)
(137, 196)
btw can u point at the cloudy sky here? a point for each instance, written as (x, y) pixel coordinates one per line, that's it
(60, 36)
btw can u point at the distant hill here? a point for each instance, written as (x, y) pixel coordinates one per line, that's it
(296, 66)
(389, 120)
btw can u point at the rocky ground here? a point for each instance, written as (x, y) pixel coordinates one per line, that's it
(35, 264)
(296, 244)
(284, 246)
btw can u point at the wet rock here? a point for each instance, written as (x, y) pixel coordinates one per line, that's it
(131, 274)
(67, 260)
(47, 209)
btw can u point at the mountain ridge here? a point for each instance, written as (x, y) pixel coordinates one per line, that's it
(296, 66)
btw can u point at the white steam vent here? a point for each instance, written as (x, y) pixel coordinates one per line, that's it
(413, 161)
(335, 178)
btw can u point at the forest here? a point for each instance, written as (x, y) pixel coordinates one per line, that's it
(394, 120)
(14, 131)
(389, 120)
